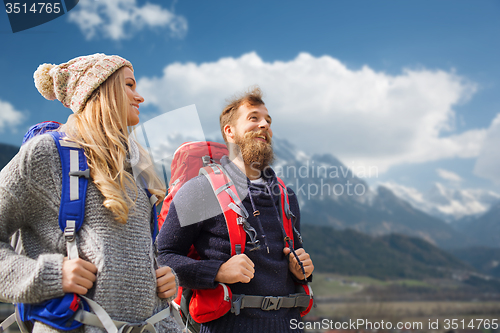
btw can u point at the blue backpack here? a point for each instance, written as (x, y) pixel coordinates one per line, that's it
(71, 310)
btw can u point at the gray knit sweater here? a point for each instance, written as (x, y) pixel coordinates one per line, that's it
(30, 194)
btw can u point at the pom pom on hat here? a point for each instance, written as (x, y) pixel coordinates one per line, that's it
(73, 82)
(44, 82)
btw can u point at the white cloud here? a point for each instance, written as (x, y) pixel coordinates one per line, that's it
(448, 175)
(119, 19)
(364, 117)
(9, 116)
(444, 202)
(488, 162)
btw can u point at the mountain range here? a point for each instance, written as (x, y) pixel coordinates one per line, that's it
(330, 194)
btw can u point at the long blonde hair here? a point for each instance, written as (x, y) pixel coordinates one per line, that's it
(101, 129)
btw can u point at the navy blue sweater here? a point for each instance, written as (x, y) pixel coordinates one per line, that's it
(195, 217)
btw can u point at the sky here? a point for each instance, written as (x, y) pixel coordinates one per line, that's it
(409, 87)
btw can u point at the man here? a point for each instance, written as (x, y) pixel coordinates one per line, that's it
(195, 217)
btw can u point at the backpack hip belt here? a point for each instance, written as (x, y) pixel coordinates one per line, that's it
(102, 319)
(268, 303)
(99, 319)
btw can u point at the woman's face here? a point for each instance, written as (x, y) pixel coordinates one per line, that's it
(134, 98)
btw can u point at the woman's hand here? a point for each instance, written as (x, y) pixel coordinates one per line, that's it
(78, 276)
(165, 282)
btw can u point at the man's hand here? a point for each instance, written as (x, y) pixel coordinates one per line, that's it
(237, 269)
(165, 282)
(294, 266)
(78, 276)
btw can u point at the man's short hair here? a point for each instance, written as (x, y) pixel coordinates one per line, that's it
(252, 96)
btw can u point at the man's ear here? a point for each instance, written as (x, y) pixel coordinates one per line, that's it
(229, 132)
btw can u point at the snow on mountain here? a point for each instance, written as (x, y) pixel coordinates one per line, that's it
(449, 204)
(332, 194)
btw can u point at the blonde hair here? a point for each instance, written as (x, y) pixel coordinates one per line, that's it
(101, 129)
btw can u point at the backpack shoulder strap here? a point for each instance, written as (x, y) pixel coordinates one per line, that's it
(154, 215)
(153, 223)
(75, 176)
(40, 128)
(286, 213)
(231, 205)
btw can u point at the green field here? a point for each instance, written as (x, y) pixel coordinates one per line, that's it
(331, 285)
(342, 298)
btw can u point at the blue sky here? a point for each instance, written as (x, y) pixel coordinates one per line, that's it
(412, 87)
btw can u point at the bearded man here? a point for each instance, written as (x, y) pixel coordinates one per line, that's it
(195, 217)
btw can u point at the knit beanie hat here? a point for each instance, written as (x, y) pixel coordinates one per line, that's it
(73, 82)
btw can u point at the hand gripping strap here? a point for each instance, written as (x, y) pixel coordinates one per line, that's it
(237, 235)
(285, 210)
(75, 174)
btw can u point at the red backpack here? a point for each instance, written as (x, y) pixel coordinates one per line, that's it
(189, 158)
(203, 305)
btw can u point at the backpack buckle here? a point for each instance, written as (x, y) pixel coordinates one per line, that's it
(85, 173)
(236, 305)
(271, 303)
(69, 233)
(206, 160)
(133, 328)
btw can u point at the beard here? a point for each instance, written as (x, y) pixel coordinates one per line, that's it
(257, 154)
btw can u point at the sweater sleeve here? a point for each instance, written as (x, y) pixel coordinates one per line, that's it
(187, 214)
(26, 187)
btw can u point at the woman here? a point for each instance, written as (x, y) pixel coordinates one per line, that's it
(115, 267)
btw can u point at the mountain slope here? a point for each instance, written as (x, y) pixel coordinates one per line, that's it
(485, 260)
(6, 154)
(392, 256)
(485, 228)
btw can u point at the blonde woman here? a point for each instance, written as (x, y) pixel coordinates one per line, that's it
(115, 267)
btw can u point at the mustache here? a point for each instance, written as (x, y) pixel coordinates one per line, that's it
(251, 135)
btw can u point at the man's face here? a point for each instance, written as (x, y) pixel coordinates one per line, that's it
(252, 133)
